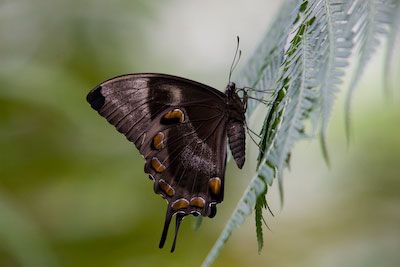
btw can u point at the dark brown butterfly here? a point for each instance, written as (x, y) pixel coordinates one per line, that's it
(181, 129)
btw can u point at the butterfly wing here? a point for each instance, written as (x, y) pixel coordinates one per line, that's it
(179, 126)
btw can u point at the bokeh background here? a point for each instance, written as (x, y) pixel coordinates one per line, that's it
(73, 191)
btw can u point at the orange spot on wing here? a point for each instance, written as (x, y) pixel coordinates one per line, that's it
(175, 114)
(180, 204)
(215, 185)
(157, 165)
(166, 188)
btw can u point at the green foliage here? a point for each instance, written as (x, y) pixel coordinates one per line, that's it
(303, 57)
(338, 45)
(260, 205)
(374, 18)
(393, 36)
(15, 230)
(258, 218)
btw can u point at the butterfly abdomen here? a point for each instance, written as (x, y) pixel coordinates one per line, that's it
(235, 125)
(237, 142)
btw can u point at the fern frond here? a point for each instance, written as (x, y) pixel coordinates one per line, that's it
(336, 47)
(393, 36)
(373, 18)
(260, 72)
(303, 58)
(262, 69)
(298, 96)
(258, 218)
(261, 204)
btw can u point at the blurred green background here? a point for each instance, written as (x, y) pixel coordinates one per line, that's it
(73, 191)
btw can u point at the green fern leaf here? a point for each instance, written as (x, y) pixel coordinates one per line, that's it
(258, 218)
(336, 40)
(393, 36)
(373, 17)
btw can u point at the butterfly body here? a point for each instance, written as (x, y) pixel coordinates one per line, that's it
(235, 126)
(181, 128)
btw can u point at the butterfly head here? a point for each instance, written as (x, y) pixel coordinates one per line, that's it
(230, 89)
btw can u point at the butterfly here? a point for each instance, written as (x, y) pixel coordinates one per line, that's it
(181, 128)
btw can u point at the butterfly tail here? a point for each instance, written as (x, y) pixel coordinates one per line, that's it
(179, 217)
(167, 221)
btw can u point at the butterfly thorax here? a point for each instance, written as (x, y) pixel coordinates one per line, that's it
(236, 108)
(236, 124)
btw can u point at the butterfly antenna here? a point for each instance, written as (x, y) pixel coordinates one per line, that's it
(233, 65)
(179, 217)
(168, 217)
